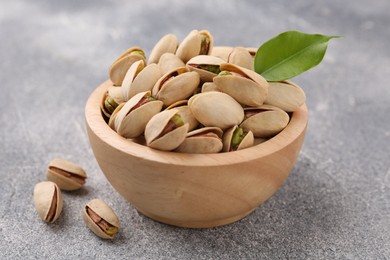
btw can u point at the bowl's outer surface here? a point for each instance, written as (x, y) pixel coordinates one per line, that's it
(193, 190)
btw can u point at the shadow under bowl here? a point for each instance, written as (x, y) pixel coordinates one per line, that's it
(193, 190)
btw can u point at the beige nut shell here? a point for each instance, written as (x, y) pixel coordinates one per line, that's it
(202, 144)
(43, 197)
(66, 183)
(167, 44)
(285, 95)
(216, 109)
(105, 212)
(267, 123)
(246, 142)
(170, 140)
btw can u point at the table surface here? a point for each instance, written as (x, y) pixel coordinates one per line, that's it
(335, 203)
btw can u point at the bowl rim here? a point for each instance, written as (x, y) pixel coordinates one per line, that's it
(97, 125)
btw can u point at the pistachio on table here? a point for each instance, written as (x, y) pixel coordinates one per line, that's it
(48, 201)
(101, 219)
(67, 175)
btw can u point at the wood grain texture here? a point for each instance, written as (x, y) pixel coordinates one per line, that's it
(193, 190)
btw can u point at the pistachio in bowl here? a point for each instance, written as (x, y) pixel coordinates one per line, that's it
(205, 140)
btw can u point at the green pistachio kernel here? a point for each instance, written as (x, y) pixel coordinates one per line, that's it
(111, 231)
(224, 73)
(177, 120)
(139, 52)
(238, 136)
(212, 68)
(205, 44)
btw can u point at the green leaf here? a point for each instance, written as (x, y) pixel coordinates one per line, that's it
(289, 54)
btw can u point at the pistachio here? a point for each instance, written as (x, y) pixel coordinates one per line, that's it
(48, 201)
(139, 79)
(209, 86)
(166, 130)
(111, 122)
(167, 44)
(241, 57)
(196, 43)
(169, 62)
(265, 121)
(216, 109)
(222, 52)
(131, 120)
(101, 219)
(203, 140)
(122, 64)
(206, 66)
(176, 85)
(244, 85)
(236, 138)
(67, 175)
(185, 113)
(285, 95)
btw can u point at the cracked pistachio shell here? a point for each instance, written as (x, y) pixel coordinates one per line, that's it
(216, 109)
(110, 101)
(248, 87)
(195, 64)
(167, 44)
(222, 52)
(169, 62)
(130, 122)
(111, 122)
(209, 86)
(48, 200)
(176, 85)
(191, 46)
(240, 56)
(104, 212)
(266, 120)
(252, 51)
(246, 142)
(67, 175)
(122, 64)
(169, 141)
(285, 95)
(139, 79)
(203, 140)
(185, 113)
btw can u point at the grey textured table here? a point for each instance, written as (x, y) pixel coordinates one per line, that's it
(336, 202)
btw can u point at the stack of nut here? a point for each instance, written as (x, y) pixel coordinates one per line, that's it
(193, 97)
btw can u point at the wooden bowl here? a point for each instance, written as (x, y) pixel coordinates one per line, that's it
(193, 190)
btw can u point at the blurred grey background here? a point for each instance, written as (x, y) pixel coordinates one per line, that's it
(334, 205)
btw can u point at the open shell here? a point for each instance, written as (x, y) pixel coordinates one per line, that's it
(195, 63)
(167, 44)
(44, 194)
(203, 140)
(111, 122)
(216, 109)
(246, 142)
(184, 111)
(169, 62)
(266, 120)
(130, 122)
(285, 95)
(176, 85)
(139, 79)
(191, 45)
(105, 212)
(248, 87)
(122, 64)
(168, 141)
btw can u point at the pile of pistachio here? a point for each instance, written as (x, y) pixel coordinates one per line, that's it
(193, 97)
(65, 175)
